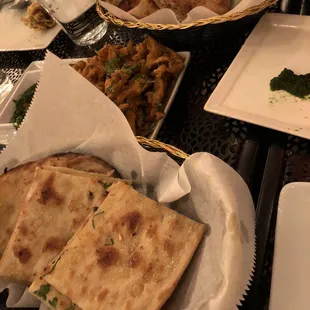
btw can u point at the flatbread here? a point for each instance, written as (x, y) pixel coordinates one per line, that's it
(129, 255)
(144, 8)
(15, 184)
(98, 176)
(51, 297)
(181, 8)
(56, 206)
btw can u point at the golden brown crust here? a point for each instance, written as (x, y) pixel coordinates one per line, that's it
(117, 247)
(55, 207)
(15, 184)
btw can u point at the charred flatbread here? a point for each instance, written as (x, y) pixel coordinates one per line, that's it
(129, 255)
(55, 207)
(15, 184)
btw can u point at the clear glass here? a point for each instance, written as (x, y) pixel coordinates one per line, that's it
(78, 18)
(6, 86)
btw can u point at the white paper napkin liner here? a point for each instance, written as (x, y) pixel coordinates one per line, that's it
(167, 16)
(69, 113)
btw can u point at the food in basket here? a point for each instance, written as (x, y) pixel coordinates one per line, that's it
(135, 78)
(143, 8)
(56, 205)
(37, 18)
(137, 8)
(21, 106)
(129, 255)
(15, 185)
(296, 85)
(181, 8)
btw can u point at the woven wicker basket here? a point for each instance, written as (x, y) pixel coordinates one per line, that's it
(199, 31)
(154, 145)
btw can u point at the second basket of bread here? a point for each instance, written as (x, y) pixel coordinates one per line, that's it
(185, 22)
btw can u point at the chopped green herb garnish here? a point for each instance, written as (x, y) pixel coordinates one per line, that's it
(112, 65)
(43, 291)
(53, 268)
(93, 219)
(142, 79)
(104, 185)
(130, 68)
(21, 106)
(110, 89)
(110, 242)
(53, 302)
(72, 307)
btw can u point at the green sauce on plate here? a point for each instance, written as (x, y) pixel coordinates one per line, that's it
(296, 85)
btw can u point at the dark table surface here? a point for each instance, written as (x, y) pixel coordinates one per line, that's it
(264, 158)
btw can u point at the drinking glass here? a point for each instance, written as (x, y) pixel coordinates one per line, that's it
(78, 18)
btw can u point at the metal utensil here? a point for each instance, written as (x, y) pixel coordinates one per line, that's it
(20, 4)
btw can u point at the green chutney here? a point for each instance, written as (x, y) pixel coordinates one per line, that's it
(296, 85)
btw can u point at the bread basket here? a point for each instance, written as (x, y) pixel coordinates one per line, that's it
(203, 30)
(157, 146)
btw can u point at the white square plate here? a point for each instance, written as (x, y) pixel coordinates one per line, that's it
(32, 74)
(291, 267)
(278, 41)
(15, 36)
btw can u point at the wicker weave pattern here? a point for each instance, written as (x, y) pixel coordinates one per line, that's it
(160, 145)
(109, 17)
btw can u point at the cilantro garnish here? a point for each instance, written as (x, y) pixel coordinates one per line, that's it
(93, 219)
(53, 302)
(72, 307)
(112, 65)
(53, 268)
(110, 89)
(104, 185)
(21, 106)
(43, 291)
(110, 242)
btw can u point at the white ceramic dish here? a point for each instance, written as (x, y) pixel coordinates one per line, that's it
(32, 75)
(15, 36)
(291, 268)
(279, 41)
(28, 79)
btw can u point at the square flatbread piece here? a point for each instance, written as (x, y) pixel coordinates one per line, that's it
(129, 255)
(15, 185)
(55, 207)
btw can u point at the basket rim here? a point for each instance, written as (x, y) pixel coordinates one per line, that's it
(163, 146)
(109, 17)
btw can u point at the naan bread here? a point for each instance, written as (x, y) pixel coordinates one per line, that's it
(144, 8)
(181, 8)
(56, 206)
(129, 255)
(103, 177)
(51, 297)
(15, 184)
